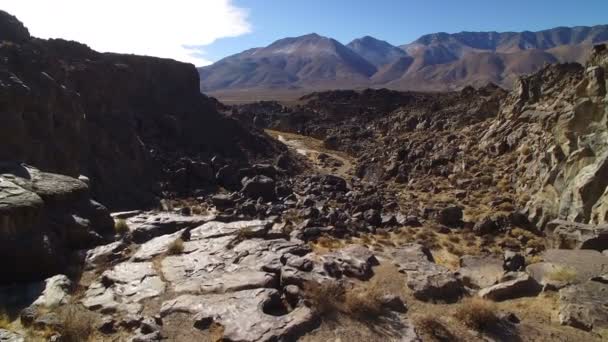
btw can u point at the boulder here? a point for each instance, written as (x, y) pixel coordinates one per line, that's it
(582, 264)
(512, 285)
(259, 187)
(450, 216)
(56, 292)
(574, 235)
(513, 261)
(353, 261)
(44, 217)
(427, 280)
(584, 306)
(480, 271)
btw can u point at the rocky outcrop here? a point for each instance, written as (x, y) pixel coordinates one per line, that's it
(562, 157)
(124, 121)
(44, 217)
(573, 235)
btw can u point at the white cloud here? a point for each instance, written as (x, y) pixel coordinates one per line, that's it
(163, 28)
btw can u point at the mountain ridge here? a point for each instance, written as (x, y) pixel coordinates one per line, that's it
(437, 62)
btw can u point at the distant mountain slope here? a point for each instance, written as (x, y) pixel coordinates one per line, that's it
(438, 61)
(306, 61)
(375, 51)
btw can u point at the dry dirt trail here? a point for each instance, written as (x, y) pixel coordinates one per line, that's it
(337, 163)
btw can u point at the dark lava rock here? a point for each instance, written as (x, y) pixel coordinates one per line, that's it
(259, 187)
(450, 216)
(513, 261)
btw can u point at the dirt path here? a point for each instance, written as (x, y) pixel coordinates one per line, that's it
(338, 163)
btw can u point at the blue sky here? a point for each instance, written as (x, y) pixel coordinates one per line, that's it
(204, 31)
(399, 21)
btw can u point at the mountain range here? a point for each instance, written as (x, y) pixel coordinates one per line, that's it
(434, 62)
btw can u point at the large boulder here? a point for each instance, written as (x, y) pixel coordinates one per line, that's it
(561, 267)
(584, 306)
(259, 187)
(427, 280)
(450, 216)
(512, 285)
(480, 271)
(44, 217)
(574, 235)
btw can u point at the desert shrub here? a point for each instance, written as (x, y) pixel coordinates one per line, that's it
(562, 274)
(198, 210)
(328, 242)
(364, 303)
(176, 247)
(431, 326)
(476, 313)
(77, 323)
(121, 226)
(330, 298)
(454, 238)
(5, 320)
(325, 298)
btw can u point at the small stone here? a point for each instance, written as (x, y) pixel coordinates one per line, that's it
(393, 302)
(513, 262)
(106, 326)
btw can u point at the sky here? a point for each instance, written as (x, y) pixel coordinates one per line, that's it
(204, 31)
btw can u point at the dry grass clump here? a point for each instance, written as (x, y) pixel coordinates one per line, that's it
(121, 226)
(330, 298)
(432, 328)
(5, 321)
(562, 274)
(176, 247)
(198, 210)
(476, 313)
(77, 324)
(242, 235)
(325, 298)
(329, 242)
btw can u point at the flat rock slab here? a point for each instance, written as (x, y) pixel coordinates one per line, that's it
(146, 226)
(250, 315)
(586, 263)
(427, 280)
(585, 306)
(123, 288)
(213, 265)
(156, 246)
(101, 255)
(218, 229)
(479, 272)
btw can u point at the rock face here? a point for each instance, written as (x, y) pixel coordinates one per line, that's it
(572, 235)
(561, 107)
(43, 217)
(114, 118)
(584, 306)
